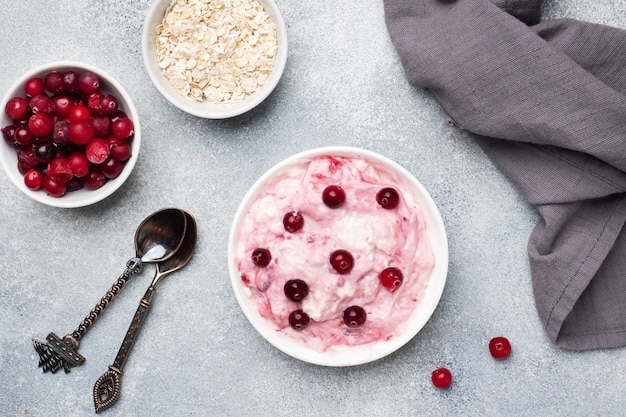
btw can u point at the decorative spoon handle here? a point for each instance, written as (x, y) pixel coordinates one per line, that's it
(106, 390)
(62, 353)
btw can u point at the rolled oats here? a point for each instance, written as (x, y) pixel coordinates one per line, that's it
(216, 50)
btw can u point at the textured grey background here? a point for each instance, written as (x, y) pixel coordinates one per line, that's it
(197, 354)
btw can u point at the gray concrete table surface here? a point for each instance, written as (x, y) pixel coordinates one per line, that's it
(197, 354)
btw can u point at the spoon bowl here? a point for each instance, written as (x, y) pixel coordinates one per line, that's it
(160, 235)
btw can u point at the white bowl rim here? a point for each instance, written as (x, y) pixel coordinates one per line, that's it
(206, 109)
(346, 355)
(83, 197)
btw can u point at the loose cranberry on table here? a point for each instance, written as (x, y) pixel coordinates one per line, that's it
(67, 133)
(442, 378)
(500, 347)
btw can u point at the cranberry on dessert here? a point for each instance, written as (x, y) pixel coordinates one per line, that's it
(298, 319)
(296, 289)
(388, 198)
(391, 278)
(442, 378)
(354, 316)
(333, 196)
(293, 221)
(342, 261)
(261, 257)
(500, 347)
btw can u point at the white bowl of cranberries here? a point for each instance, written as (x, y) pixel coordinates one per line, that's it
(338, 256)
(70, 134)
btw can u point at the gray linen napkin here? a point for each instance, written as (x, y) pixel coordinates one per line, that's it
(546, 102)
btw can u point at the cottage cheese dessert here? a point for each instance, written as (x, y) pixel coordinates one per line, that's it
(335, 252)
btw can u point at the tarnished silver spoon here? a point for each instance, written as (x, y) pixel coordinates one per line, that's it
(106, 391)
(157, 238)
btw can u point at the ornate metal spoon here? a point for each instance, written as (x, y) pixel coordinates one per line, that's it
(106, 391)
(157, 238)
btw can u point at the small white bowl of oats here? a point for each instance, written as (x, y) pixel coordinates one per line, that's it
(215, 59)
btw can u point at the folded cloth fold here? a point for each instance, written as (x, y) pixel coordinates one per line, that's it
(546, 102)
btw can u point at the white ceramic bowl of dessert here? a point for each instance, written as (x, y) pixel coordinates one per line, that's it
(288, 228)
(81, 197)
(214, 70)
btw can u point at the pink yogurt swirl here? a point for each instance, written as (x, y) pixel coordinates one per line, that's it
(376, 237)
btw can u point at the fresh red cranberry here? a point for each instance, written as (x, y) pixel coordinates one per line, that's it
(60, 134)
(94, 180)
(97, 151)
(41, 103)
(89, 82)
(79, 163)
(354, 316)
(342, 261)
(298, 319)
(442, 378)
(101, 126)
(93, 103)
(391, 278)
(500, 347)
(62, 105)
(54, 187)
(108, 104)
(54, 82)
(44, 152)
(70, 82)
(34, 86)
(40, 125)
(388, 198)
(80, 132)
(8, 133)
(293, 221)
(74, 184)
(33, 179)
(16, 108)
(60, 169)
(296, 289)
(120, 148)
(23, 136)
(79, 112)
(122, 127)
(333, 196)
(26, 158)
(112, 168)
(261, 257)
